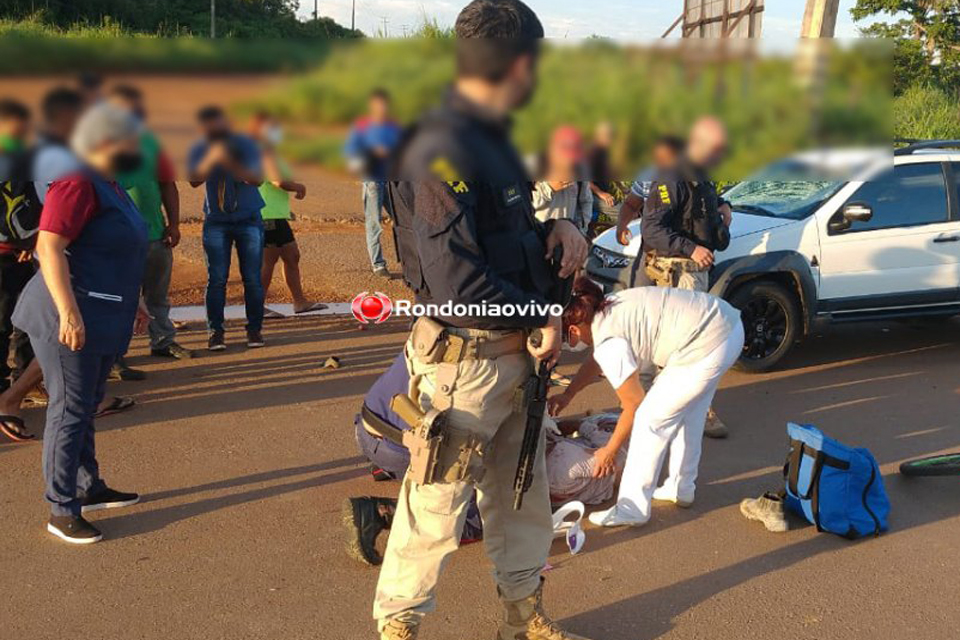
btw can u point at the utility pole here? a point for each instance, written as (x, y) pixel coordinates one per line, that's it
(315, 14)
(820, 19)
(386, 21)
(213, 19)
(353, 16)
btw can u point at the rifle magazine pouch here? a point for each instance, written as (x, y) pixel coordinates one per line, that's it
(425, 340)
(461, 457)
(524, 394)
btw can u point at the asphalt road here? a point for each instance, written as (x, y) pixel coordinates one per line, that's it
(244, 458)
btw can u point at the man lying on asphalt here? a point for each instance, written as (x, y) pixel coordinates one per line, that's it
(570, 471)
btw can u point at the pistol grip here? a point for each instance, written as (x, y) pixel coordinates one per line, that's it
(405, 407)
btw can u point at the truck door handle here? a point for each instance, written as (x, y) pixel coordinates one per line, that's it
(942, 239)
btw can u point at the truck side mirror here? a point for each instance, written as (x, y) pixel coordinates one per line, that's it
(851, 212)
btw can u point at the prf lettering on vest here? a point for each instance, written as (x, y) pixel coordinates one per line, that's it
(664, 194)
(442, 168)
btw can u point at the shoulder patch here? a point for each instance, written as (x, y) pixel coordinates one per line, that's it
(443, 169)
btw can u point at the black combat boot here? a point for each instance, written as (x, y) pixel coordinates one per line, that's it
(364, 519)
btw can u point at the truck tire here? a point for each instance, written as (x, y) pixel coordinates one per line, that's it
(771, 321)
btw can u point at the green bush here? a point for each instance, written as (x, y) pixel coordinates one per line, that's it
(926, 112)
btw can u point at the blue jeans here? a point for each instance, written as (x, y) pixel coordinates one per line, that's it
(374, 199)
(75, 381)
(218, 241)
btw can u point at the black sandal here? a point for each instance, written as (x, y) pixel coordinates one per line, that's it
(118, 405)
(19, 431)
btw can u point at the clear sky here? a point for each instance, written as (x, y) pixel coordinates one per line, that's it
(620, 19)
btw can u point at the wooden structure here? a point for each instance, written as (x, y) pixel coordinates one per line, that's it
(820, 19)
(720, 19)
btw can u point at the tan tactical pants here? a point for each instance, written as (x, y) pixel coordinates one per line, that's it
(683, 279)
(429, 518)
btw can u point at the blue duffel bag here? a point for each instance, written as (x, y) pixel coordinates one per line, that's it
(837, 488)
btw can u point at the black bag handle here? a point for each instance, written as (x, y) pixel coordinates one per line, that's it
(797, 450)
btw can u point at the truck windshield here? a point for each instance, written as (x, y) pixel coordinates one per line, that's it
(786, 189)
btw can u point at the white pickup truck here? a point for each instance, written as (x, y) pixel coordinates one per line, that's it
(842, 236)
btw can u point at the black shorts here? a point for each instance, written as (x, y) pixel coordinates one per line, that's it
(277, 233)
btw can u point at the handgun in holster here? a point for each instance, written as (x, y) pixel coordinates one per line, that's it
(664, 271)
(424, 439)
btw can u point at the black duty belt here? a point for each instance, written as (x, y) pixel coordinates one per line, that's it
(379, 426)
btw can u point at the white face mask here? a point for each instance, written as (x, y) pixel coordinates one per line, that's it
(274, 135)
(580, 346)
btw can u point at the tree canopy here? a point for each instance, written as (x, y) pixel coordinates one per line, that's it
(236, 18)
(926, 35)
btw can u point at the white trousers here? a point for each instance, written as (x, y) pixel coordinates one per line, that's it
(671, 418)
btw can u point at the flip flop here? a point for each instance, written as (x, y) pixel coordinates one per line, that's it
(37, 397)
(118, 405)
(316, 306)
(19, 434)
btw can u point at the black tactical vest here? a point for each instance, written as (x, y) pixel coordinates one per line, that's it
(511, 239)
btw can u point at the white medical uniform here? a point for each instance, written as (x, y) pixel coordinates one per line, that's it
(694, 338)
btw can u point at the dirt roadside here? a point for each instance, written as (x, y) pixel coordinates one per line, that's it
(329, 227)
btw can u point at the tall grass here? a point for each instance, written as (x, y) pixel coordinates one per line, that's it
(36, 27)
(926, 112)
(643, 92)
(32, 47)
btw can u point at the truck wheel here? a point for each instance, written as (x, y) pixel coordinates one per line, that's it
(771, 323)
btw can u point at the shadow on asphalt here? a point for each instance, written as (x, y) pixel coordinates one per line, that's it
(891, 388)
(152, 519)
(240, 379)
(829, 344)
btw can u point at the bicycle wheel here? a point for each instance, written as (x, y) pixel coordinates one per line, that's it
(943, 465)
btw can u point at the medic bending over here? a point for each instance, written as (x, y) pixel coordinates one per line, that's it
(694, 338)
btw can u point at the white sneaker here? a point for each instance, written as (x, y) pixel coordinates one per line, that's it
(661, 494)
(611, 518)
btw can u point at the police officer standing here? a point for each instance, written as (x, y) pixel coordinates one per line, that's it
(685, 222)
(467, 235)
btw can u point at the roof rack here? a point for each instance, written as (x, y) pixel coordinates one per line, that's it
(914, 145)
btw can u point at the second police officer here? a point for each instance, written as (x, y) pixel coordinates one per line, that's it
(466, 235)
(685, 222)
